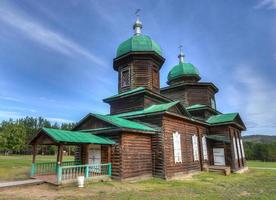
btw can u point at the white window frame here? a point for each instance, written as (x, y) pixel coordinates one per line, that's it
(235, 147)
(195, 147)
(239, 147)
(204, 147)
(177, 147)
(242, 149)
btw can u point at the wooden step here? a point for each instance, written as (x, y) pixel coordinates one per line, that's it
(222, 169)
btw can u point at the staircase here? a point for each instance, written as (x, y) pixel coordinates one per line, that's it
(220, 169)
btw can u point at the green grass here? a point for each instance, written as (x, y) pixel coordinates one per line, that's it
(253, 163)
(17, 167)
(255, 184)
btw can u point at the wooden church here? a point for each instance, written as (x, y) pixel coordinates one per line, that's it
(151, 131)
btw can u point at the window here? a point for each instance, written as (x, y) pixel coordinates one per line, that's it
(177, 147)
(242, 149)
(235, 148)
(239, 147)
(195, 147)
(213, 103)
(125, 78)
(204, 148)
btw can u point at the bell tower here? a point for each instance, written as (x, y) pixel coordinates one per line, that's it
(138, 61)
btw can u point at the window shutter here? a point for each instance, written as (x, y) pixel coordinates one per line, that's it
(242, 149)
(177, 147)
(195, 147)
(204, 148)
(235, 148)
(239, 147)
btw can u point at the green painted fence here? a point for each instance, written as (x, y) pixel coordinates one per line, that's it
(46, 168)
(66, 173)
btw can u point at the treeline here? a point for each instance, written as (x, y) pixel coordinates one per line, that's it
(15, 134)
(260, 151)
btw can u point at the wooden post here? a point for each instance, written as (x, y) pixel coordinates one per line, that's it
(59, 162)
(33, 170)
(109, 154)
(34, 153)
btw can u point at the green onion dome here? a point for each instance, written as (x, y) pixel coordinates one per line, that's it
(183, 71)
(138, 42)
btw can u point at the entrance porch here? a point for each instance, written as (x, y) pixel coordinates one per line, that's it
(60, 172)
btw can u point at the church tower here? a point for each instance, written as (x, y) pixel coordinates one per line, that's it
(185, 86)
(138, 61)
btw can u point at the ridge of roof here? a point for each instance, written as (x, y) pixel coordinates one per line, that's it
(201, 106)
(137, 90)
(151, 109)
(123, 123)
(59, 135)
(221, 118)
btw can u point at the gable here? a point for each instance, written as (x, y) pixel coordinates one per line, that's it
(91, 122)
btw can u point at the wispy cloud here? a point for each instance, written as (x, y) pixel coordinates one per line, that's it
(8, 98)
(253, 94)
(59, 120)
(44, 36)
(268, 4)
(10, 114)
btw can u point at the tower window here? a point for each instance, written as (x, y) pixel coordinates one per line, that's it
(125, 78)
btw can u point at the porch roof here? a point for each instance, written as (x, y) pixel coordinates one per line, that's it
(220, 138)
(72, 136)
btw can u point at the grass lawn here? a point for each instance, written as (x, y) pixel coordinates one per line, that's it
(255, 184)
(17, 167)
(253, 163)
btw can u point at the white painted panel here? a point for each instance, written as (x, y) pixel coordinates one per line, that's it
(177, 147)
(235, 148)
(204, 148)
(239, 147)
(242, 149)
(219, 158)
(195, 147)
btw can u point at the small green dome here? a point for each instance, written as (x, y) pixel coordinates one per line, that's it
(183, 70)
(138, 43)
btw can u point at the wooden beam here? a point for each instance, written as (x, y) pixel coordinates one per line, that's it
(34, 152)
(59, 154)
(109, 154)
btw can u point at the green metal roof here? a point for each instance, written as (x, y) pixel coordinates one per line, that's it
(151, 109)
(138, 89)
(182, 70)
(138, 43)
(195, 106)
(123, 123)
(75, 137)
(215, 119)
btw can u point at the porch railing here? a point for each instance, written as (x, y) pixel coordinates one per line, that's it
(46, 168)
(67, 173)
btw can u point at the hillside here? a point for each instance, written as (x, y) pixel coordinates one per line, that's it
(259, 138)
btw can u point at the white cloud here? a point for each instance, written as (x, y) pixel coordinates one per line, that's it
(9, 115)
(58, 120)
(8, 98)
(268, 4)
(254, 96)
(44, 36)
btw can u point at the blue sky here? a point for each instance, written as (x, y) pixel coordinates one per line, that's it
(56, 56)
